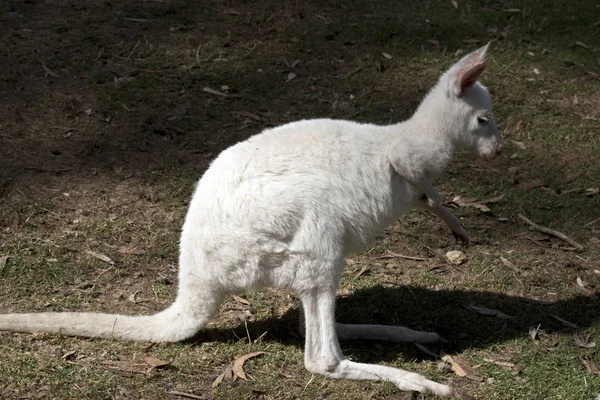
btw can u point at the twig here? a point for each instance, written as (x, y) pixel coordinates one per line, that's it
(592, 222)
(187, 395)
(391, 254)
(134, 47)
(49, 71)
(549, 231)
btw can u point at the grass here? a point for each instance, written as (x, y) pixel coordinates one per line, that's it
(105, 156)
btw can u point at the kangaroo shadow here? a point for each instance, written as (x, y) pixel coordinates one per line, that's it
(441, 311)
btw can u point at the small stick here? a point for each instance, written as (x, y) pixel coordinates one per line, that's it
(592, 222)
(49, 71)
(549, 231)
(187, 395)
(391, 254)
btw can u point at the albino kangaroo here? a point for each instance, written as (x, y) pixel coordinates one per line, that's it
(282, 208)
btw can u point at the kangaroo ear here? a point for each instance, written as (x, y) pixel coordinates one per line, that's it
(467, 71)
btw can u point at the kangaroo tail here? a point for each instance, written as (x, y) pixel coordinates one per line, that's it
(174, 324)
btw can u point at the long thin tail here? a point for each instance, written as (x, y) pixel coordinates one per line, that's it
(171, 325)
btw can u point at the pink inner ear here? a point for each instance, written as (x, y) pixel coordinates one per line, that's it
(468, 75)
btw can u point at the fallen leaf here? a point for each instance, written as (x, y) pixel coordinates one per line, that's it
(591, 191)
(456, 257)
(49, 71)
(564, 322)
(247, 114)
(100, 257)
(225, 375)
(455, 3)
(131, 250)
(501, 363)
(570, 178)
(493, 199)
(241, 300)
(426, 350)
(461, 367)
(155, 362)
(213, 91)
(291, 76)
(520, 145)
(513, 10)
(597, 272)
(364, 269)
(530, 184)
(592, 366)
(580, 43)
(295, 63)
(534, 332)
(238, 364)
(585, 342)
(386, 55)
(68, 355)
(472, 202)
(536, 71)
(488, 312)
(509, 265)
(581, 283)
(3, 260)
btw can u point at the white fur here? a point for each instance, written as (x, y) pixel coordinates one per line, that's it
(282, 208)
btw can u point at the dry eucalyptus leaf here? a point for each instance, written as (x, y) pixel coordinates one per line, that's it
(225, 375)
(520, 145)
(238, 364)
(564, 322)
(580, 43)
(387, 56)
(455, 3)
(501, 363)
(241, 300)
(155, 362)
(581, 283)
(3, 260)
(536, 71)
(591, 191)
(570, 178)
(100, 257)
(426, 350)
(213, 91)
(530, 184)
(461, 367)
(488, 312)
(509, 264)
(291, 76)
(585, 343)
(364, 269)
(247, 114)
(534, 332)
(592, 366)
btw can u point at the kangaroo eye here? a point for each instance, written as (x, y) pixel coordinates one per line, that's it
(483, 120)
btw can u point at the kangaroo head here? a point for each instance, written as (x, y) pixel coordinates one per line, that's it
(467, 106)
